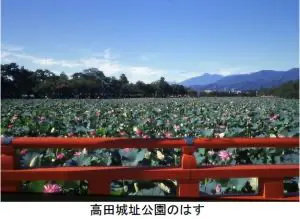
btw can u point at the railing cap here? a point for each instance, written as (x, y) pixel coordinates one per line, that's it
(189, 140)
(7, 140)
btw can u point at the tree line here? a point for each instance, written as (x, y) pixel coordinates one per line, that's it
(250, 93)
(286, 90)
(18, 82)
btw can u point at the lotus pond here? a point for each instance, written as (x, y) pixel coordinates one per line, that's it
(152, 118)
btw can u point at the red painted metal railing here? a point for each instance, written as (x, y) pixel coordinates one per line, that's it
(270, 177)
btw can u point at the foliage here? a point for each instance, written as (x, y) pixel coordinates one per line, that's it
(91, 83)
(286, 90)
(153, 118)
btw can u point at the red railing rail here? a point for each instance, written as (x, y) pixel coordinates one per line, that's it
(270, 177)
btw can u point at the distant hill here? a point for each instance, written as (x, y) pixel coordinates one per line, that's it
(251, 81)
(286, 90)
(204, 79)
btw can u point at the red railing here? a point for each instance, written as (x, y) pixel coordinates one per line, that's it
(270, 177)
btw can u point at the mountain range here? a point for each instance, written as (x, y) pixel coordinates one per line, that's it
(243, 82)
(204, 79)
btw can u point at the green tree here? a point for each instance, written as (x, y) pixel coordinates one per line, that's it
(90, 83)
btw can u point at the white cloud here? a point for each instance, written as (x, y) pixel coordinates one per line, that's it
(5, 57)
(11, 48)
(109, 67)
(144, 73)
(56, 72)
(110, 64)
(45, 61)
(228, 71)
(105, 62)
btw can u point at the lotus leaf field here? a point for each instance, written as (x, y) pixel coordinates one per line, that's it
(153, 118)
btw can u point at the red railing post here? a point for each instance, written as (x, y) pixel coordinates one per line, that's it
(97, 186)
(8, 162)
(271, 187)
(188, 187)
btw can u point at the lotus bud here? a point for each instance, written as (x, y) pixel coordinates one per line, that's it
(136, 187)
(84, 151)
(164, 187)
(218, 189)
(34, 161)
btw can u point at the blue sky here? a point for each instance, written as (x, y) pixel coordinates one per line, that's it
(147, 39)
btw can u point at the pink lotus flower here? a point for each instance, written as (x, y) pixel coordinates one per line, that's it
(123, 133)
(70, 134)
(138, 131)
(221, 135)
(93, 132)
(10, 126)
(60, 156)
(168, 135)
(224, 155)
(218, 189)
(127, 149)
(78, 153)
(97, 113)
(52, 188)
(274, 117)
(146, 136)
(177, 128)
(42, 119)
(15, 117)
(23, 152)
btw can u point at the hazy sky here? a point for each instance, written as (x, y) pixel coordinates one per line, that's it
(147, 39)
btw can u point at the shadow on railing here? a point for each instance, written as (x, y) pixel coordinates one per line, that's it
(270, 177)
